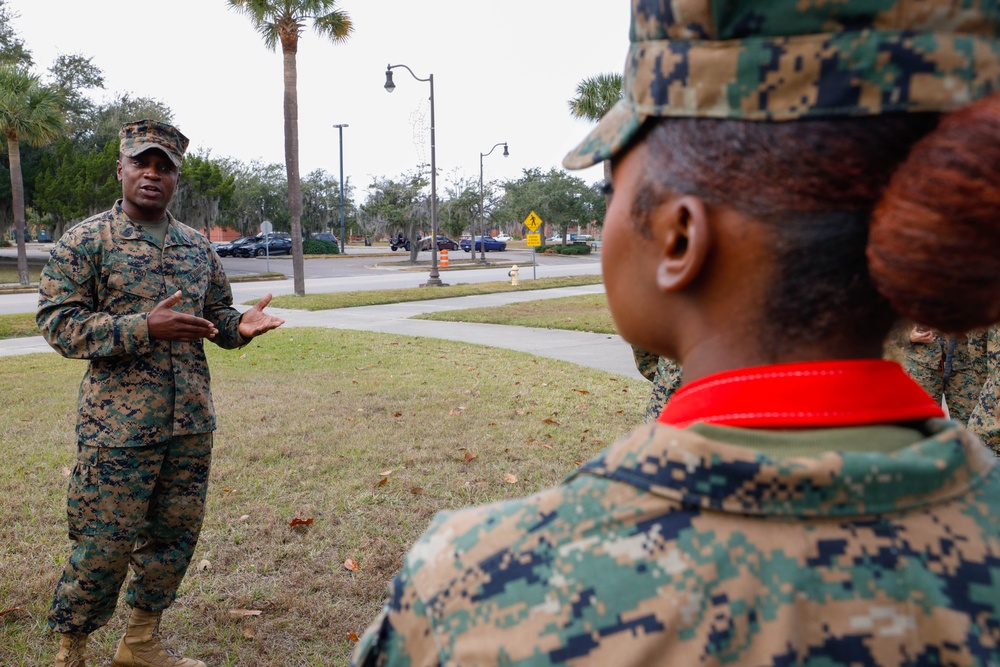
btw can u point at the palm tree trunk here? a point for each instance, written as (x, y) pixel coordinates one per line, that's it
(17, 195)
(292, 162)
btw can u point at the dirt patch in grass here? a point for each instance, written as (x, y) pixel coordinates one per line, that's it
(310, 424)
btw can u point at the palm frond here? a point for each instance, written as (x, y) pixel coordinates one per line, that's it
(596, 95)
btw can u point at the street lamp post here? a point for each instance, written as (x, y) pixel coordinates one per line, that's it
(482, 219)
(340, 129)
(434, 279)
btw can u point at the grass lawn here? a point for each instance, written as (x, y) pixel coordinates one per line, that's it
(313, 424)
(18, 325)
(8, 274)
(576, 313)
(377, 297)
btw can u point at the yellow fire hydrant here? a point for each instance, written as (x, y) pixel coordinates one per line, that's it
(513, 275)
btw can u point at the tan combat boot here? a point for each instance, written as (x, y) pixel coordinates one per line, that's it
(72, 651)
(141, 645)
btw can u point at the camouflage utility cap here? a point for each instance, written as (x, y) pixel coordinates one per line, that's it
(791, 59)
(141, 135)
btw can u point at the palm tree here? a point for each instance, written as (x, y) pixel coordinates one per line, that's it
(31, 113)
(594, 98)
(283, 21)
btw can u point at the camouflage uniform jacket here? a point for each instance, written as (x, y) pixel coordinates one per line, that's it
(674, 549)
(103, 278)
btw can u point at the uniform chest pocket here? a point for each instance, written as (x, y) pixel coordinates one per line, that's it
(129, 288)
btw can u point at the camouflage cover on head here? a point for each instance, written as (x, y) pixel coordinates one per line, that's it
(791, 59)
(141, 135)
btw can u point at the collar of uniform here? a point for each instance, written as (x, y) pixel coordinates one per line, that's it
(127, 229)
(691, 469)
(803, 395)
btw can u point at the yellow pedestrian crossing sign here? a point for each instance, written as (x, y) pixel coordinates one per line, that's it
(532, 222)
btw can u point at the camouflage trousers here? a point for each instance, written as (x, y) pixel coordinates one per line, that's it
(985, 419)
(664, 373)
(923, 363)
(138, 506)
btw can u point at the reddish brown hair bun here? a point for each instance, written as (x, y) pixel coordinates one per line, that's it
(934, 246)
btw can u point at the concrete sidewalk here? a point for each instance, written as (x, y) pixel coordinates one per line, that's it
(604, 352)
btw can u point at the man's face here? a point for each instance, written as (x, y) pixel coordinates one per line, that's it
(149, 181)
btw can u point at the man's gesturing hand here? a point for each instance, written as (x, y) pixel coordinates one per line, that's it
(166, 323)
(255, 321)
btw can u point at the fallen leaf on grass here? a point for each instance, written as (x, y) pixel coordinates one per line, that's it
(9, 611)
(546, 445)
(509, 478)
(228, 490)
(581, 391)
(66, 472)
(397, 414)
(243, 356)
(243, 518)
(416, 490)
(243, 613)
(248, 633)
(469, 456)
(382, 482)
(353, 636)
(385, 473)
(204, 565)
(351, 564)
(300, 522)
(550, 421)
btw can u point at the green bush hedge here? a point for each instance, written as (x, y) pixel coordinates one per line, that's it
(568, 249)
(317, 247)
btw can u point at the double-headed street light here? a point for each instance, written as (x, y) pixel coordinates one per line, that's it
(340, 129)
(482, 219)
(434, 279)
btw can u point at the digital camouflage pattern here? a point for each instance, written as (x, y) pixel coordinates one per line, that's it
(675, 549)
(985, 419)
(664, 373)
(141, 135)
(113, 523)
(786, 59)
(924, 362)
(103, 277)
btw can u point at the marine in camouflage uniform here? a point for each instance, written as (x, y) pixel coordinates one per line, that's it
(144, 430)
(985, 419)
(873, 544)
(664, 373)
(927, 361)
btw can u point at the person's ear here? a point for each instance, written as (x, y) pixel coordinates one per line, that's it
(686, 238)
(118, 170)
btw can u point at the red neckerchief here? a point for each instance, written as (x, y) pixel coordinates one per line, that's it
(803, 395)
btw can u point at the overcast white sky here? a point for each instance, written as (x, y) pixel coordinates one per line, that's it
(503, 71)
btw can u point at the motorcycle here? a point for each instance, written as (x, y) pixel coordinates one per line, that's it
(400, 242)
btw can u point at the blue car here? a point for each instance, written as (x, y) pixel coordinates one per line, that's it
(492, 245)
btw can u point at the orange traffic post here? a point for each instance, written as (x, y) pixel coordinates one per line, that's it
(444, 258)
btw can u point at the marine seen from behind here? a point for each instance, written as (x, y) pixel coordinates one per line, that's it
(790, 179)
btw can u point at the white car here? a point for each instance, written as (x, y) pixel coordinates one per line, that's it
(502, 237)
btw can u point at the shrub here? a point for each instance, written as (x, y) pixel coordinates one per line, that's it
(568, 249)
(317, 247)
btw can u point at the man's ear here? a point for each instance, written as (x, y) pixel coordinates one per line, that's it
(686, 239)
(118, 170)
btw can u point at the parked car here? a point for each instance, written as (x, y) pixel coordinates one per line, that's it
(226, 249)
(13, 236)
(261, 246)
(325, 236)
(499, 237)
(492, 245)
(443, 243)
(44, 236)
